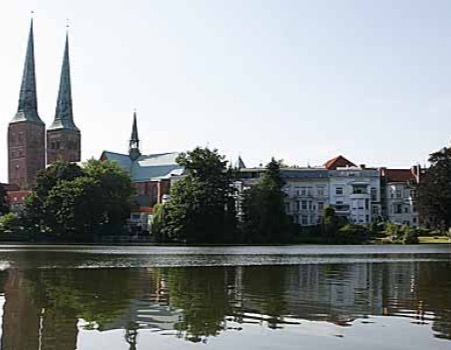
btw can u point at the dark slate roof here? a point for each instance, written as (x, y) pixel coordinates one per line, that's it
(28, 101)
(64, 118)
(152, 167)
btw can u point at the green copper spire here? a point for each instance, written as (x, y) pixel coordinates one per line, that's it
(28, 101)
(64, 118)
(133, 149)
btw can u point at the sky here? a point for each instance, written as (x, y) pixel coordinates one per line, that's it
(300, 80)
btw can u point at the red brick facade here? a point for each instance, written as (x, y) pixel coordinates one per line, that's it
(63, 145)
(26, 152)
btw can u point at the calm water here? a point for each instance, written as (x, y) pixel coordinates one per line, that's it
(353, 297)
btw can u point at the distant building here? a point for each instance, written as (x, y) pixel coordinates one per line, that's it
(399, 189)
(354, 192)
(151, 175)
(27, 149)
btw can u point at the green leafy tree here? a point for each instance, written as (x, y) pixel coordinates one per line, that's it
(200, 204)
(115, 191)
(264, 216)
(75, 203)
(10, 221)
(434, 194)
(3, 203)
(36, 209)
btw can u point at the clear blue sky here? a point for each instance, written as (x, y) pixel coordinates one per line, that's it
(299, 80)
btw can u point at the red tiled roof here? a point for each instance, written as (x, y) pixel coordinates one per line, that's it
(17, 197)
(338, 162)
(398, 175)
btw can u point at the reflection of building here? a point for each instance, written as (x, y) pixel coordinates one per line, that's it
(27, 325)
(147, 315)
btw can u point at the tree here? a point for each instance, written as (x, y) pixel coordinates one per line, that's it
(200, 203)
(75, 203)
(3, 203)
(45, 180)
(116, 189)
(264, 216)
(434, 194)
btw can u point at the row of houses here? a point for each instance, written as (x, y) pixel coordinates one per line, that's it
(361, 195)
(358, 193)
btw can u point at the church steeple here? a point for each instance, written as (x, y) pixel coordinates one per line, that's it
(26, 131)
(133, 149)
(63, 136)
(28, 101)
(64, 118)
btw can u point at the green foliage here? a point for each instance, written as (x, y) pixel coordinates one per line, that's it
(264, 216)
(200, 209)
(434, 194)
(202, 295)
(10, 222)
(3, 203)
(74, 203)
(158, 222)
(352, 234)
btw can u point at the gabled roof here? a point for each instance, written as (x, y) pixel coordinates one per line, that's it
(152, 167)
(338, 162)
(398, 175)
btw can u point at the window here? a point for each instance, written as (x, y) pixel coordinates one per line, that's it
(303, 191)
(304, 220)
(414, 220)
(297, 205)
(339, 191)
(398, 208)
(304, 205)
(320, 206)
(320, 191)
(373, 194)
(398, 193)
(359, 189)
(406, 209)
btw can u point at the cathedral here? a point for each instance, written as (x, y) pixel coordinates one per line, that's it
(30, 145)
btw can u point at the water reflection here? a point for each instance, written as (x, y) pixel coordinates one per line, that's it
(50, 308)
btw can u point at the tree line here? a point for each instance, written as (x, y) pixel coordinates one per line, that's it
(74, 203)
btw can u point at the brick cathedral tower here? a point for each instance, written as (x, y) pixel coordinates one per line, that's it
(26, 132)
(63, 136)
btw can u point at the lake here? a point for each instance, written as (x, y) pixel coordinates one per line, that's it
(290, 297)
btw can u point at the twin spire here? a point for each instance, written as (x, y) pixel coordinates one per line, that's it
(28, 101)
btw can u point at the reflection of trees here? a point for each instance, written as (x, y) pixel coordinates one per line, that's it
(434, 293)
(269, 284)
(42, 307)
(95, 295)
(202, 294)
